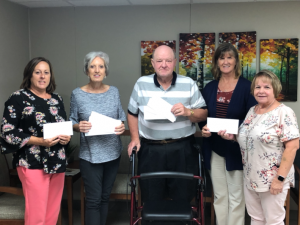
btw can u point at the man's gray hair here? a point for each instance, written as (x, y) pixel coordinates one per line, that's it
(91, 56)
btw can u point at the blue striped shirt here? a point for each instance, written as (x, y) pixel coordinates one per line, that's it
(182, 90)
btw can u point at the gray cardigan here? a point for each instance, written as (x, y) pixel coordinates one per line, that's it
(101, 148)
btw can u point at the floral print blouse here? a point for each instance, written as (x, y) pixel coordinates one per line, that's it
(261, 138)
(23, 117)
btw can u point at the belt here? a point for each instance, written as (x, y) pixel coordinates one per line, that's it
(166, 141)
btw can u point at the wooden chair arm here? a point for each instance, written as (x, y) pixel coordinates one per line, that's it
(12, 190)
(13, 172)
(297, 169)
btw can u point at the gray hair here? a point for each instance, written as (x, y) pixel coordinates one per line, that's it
(91, 56)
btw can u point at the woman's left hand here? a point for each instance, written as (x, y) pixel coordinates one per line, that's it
(276, 186)
(64, 139)
(120, 129)
(226, 136)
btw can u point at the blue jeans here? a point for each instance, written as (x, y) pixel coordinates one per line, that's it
(98, 181)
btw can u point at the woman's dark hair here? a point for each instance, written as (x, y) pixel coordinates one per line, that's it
(219, 53)
(28, 71)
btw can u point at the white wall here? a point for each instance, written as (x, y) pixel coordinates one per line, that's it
(14, 48)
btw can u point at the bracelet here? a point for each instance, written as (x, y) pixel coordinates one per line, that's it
(192, 112)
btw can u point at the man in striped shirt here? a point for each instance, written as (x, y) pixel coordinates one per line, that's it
(163, 145)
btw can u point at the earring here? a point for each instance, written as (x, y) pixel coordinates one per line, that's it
(105, 77)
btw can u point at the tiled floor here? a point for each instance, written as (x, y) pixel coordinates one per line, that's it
(119, 214)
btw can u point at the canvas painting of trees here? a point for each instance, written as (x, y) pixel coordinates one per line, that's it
(147, 48)
(245, 43)
(195, 56)
(281, 57)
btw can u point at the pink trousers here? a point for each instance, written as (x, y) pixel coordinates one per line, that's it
(43, 193)
(265, 208)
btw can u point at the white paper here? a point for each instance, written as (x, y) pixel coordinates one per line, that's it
(150, 114)
(102, 125)
(216, 124)
(161, 108)
(53, 129)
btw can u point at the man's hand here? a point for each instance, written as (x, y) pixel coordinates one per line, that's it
(179, 110)
(132, 144)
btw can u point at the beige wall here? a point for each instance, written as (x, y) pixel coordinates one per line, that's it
(14, 48)
(65, 35)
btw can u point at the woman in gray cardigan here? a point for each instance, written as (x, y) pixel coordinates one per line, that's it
(99, 155)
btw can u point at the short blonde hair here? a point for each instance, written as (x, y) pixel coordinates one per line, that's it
(220, 52)
(270, 76)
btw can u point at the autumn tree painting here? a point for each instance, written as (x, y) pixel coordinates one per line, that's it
(195, 56)
(281, 57)
(245, 43)
(147, 48)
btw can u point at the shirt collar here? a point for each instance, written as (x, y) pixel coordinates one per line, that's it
(173, 80)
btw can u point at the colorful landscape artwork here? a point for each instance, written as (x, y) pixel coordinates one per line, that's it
(147, 48)
(195, 56)
(281, 57)
(245, 43)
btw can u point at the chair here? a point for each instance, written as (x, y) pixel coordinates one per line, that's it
(12, 201)
(295, 192)
(120, 189)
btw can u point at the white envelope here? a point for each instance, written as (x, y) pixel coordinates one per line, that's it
(102, 125)
(161, 108)
(51, 130)
(150, 114)
(216, 124)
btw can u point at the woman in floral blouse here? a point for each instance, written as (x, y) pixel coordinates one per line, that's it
(269, 139)
(40, 162)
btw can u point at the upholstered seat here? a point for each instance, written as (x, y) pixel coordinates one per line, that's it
(12, 207)
(12, 201)
(167, 210)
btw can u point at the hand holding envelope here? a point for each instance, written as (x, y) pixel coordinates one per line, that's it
(102, 125)
(158, 109)
(51, 130)
(217, 124)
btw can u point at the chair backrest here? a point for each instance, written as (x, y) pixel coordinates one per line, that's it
(124, 162)
(4, 171)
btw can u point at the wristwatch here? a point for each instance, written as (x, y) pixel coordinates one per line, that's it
(192, 112)
(280, 178)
